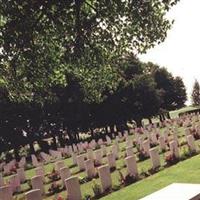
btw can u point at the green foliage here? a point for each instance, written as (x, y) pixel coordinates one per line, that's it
(96, 188)
(196, 94)
(41, 41)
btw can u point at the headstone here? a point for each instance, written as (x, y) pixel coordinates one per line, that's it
(74, 158)
(33, 195)
(1, 180)
(90, 154)
(129, 151)
(162, 143)
(34, 161)
(15, 183)
(174, 148)
(64, 173)
(104, 151)
(146, 146)
(22, 162)
(6, 169)
(73, 188)
(75, 149)
(129, 142)
(111, 160)
(6, 193)
(115, 151)
(131, 165)
(37, 183)
(80, 162)
(155, 158)
(105, 177)
(59, 164)
(108, 140)
(39, 171)
(98, 157)
(45, 157)
(21, 174)
(191, 143)
(154, 138)
(90, 169)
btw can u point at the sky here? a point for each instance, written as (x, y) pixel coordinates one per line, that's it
(180, 52)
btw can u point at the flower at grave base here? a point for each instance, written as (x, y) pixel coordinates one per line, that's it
(60, 198)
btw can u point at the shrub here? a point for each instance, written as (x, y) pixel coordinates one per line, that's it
(171, 159)
(142, 155)
(87, 197)
(196, 136)
(96, 189)
(153, 145)
(54, 175)
(115, 187)
(83, 180)
(127, 179)
(55, 188)
(59, 198)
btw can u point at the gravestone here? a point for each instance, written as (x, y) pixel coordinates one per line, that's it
(1, 180)
(15, 183)
(74, 158)
(21, 174)
(129, 151)
(64, 173)
(146, 146)
(34, 161)
(191, 143)
(73, 188)
(6, 193)
(90, 154)
(104, 151)
(90, 169)
(174, 148)
(155, 158)
(98, 157)
(131, 165)
(162, 143)
(80, 162)
(115, 150)
(111, 160)
(37, 183)
(105, 177)
(59, 164)
(39, 171)
(33, 195)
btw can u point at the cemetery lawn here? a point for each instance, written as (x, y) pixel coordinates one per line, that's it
(187, 171)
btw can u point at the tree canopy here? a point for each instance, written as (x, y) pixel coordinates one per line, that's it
(42, 40)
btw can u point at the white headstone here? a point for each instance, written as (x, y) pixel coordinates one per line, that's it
(73, 188)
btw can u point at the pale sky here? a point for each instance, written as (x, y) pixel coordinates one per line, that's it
(180, 52)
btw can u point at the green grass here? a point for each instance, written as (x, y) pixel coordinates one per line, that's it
(187, 171)
(138, 189)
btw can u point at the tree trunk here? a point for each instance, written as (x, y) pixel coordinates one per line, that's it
(168, 115)
(160, 117)
(16, 152)
(92, 132)
(32, 149)
(54, 142)
(138, 122)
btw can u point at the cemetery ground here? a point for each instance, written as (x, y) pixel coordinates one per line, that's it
(187, 171)
(184, 169)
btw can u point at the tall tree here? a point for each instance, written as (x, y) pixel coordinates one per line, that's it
(196, 94)
(180, 95)
(41, 40)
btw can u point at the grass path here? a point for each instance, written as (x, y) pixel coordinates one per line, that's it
(187, 171)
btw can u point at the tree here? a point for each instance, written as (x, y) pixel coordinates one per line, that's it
(42, 40)
(196, 94)
(180, 95)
